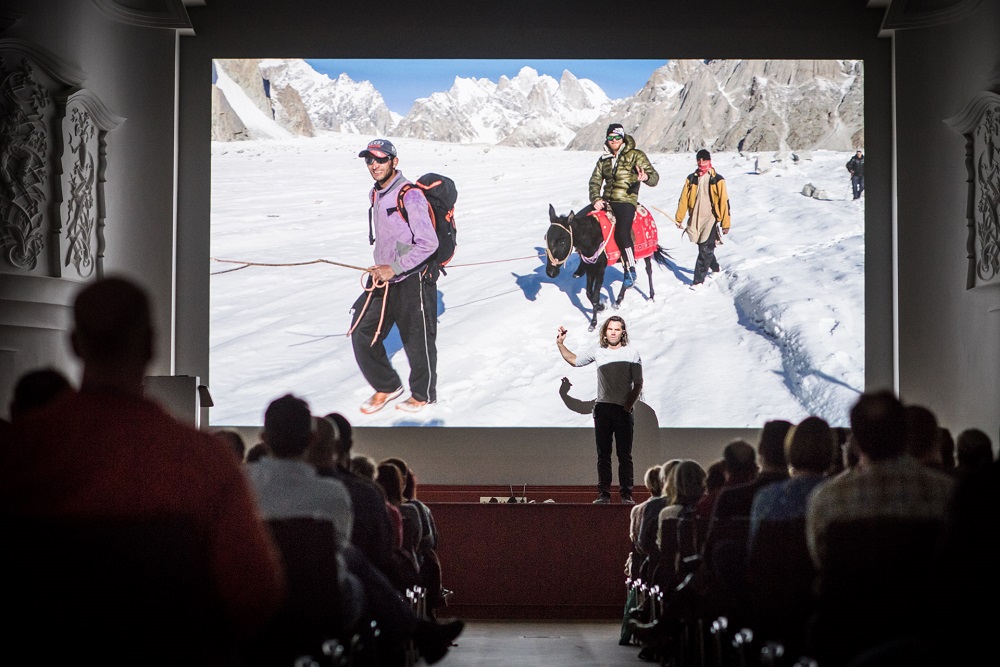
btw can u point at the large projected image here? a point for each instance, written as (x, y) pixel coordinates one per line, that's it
(777, 332)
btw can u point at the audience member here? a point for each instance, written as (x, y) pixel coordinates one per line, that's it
(373, 533)
(808, 452)
(390, 479)
(654, 484)
(735, 501)
(780, 572)
(871, 535)
(716, 477)
(649, 520)
(35, 390)
(430, 564)
(974, 450)
(922, 436)
(288, 486)
(689, 483)
(235, 442)
(256, 453)
(740, 468)
(111, 488)
(364, 466)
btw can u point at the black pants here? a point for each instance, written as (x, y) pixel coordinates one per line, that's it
(611, 421)
(624, 217)
(706, 256)
(411, 305)
(858, 185)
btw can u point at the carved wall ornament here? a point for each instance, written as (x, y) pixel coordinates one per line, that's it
(86, 126)
(979, 122)
(23, 163)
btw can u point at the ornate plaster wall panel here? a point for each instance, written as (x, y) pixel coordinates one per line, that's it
(26, 111)
(86, 123)
(53, 157)
(979, 122)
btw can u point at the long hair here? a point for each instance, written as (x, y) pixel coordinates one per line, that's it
(603, 338)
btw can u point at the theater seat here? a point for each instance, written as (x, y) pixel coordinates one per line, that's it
(117, 590)
(312, 612)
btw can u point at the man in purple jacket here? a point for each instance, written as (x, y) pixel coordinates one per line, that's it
(401, 289)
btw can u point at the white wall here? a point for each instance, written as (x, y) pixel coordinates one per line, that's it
(949, 347)
(131, 71)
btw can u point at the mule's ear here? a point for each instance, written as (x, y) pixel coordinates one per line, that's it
(552, 213)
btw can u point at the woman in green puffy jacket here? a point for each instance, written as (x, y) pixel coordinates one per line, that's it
(620, 169)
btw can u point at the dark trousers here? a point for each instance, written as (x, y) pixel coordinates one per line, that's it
(857, 185)
(411, 305)
(612, 422)
(624, 217)
(706, 256)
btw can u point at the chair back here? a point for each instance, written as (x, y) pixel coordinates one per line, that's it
(116, 589)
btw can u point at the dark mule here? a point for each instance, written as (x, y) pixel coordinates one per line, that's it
(583, 234)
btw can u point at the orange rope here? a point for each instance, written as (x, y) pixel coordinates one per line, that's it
(376, 283)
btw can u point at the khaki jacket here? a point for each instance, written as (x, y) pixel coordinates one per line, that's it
(717, 193)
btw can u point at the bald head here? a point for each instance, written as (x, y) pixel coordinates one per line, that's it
(112, 323)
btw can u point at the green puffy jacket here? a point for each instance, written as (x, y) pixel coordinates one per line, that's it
(620, 175)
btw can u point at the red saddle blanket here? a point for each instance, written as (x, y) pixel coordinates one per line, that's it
(644, 238)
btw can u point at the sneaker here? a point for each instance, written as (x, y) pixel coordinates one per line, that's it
(411, 405)
(379, 399)
(628, 500)
(603, 500)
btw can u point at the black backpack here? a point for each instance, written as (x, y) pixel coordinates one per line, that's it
(441, 195)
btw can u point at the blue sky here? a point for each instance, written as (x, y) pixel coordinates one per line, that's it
(403, 81)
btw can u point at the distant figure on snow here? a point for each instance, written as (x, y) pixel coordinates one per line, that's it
(856, 165)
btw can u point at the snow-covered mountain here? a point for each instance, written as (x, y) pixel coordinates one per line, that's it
(529, 110)
(748, 105)
(277, 98)
(722, 105)
(340, 105)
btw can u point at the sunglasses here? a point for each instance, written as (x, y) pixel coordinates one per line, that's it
(615, 137)
(371, 158)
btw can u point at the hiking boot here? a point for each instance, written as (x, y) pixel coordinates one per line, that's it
(411, 405)
(603, 500)
(378, 400)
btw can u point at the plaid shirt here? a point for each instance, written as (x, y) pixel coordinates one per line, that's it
(897, 488)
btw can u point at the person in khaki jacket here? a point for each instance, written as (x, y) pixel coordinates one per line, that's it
(706, 203)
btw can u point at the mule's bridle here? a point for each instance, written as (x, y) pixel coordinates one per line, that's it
(548, 253)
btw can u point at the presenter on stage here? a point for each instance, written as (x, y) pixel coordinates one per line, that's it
(619, 383)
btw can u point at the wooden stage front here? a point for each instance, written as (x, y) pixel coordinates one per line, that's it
(531, 560)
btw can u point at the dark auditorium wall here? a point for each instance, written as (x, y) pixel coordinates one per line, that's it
(936, 341)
